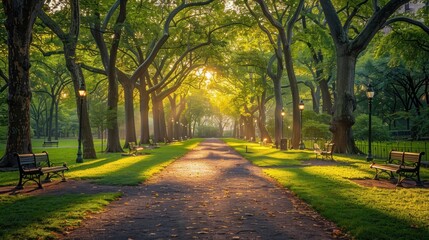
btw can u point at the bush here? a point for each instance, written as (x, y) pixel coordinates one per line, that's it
(380, 131)
(320, 118)
(315, 129)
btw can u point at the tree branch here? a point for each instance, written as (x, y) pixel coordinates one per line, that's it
(410, 21)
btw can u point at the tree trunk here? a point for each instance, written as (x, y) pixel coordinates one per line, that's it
(326, 96)
(144, 116)
(296, 132)
(162, 121)
(130, 127)
(51, 117)
(156, 128)
(343, 118)
(20, 17)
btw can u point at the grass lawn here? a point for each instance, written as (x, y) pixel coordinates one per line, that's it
(364, 212)
(42, 217)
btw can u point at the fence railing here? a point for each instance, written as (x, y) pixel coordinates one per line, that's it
(381, 149)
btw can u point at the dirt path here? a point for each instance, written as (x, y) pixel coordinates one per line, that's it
(210, 193)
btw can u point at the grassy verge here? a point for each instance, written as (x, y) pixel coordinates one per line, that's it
(364, 212)
(43, 217)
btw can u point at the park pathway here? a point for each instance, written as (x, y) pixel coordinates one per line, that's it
(210, 193)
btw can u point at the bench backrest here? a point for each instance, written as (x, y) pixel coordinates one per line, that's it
(396, 157)
(131, 145)
(316, 147)
(30, 160)
(412, 158)
(26, 161)
(330, 147)
(42, 159)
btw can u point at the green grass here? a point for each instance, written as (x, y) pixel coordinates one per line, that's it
(109, 168)
(364, 212)
(43, 217)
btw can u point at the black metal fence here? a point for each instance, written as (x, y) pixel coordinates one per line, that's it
(381, 149)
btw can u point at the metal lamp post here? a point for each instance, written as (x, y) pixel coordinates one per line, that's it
(283, 141)
(283, 115)
(172, 129)
(82, 94)
(301, 108)
(370, 95)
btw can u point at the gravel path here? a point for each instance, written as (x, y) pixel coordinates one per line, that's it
(210, 193)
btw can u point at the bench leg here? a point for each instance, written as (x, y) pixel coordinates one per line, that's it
(20, 185)
(47, 178)
(63, 178)
(418, 181)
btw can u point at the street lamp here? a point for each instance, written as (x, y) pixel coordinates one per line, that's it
(369, 94)
(172, 129)
(301, 108)
(283, 115)
(82, 94)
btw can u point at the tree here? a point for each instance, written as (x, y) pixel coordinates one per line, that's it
(20, 18)
(69, 41)
(109, 58)
(284, 25)
(350, 40)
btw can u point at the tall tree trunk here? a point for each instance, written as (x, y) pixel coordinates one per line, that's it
(130, 127)
(156, 122)
(20, 17)
(113, 142)
(326, 96)
(144, 115)
(296, 132)
(262, 118)
(51, 117)
(345, 104)
(162, 120)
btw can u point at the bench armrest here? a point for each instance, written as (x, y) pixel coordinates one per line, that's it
(54, 164)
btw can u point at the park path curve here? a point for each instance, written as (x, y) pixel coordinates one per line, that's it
(210, 193)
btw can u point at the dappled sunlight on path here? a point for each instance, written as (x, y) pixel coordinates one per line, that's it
(210, 193)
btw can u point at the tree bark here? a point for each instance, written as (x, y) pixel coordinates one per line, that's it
(343, 118)
(130, 127)
(20, 17)
(144, 114)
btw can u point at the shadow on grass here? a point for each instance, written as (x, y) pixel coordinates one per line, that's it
(354, 208)
(37, 217)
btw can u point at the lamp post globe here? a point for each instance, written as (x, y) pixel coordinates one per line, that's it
(82, 94)
(370, 95)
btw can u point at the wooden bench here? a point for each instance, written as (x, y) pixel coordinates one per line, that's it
(327, 153)
(405, 164)
(33, 166)
(134, 149)
(153, 144)
(50, 143)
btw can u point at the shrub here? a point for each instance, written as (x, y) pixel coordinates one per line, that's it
(380, 131)
(315, 129)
